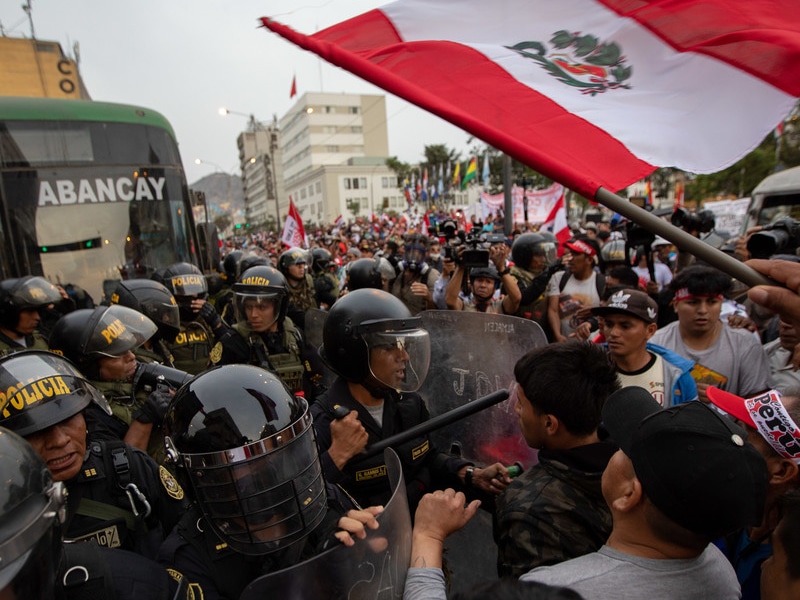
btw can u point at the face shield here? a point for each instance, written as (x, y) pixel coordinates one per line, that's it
(34, 292)
(256, 305)
(264, 496)
(398, 358)
(189, 285)
(118, 330)
(546, 249)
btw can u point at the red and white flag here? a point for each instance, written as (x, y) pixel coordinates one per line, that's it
(557, 219)
(293, 91)
(294, 235)
(591, 93)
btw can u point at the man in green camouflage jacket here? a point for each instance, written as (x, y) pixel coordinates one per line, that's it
(555, 511)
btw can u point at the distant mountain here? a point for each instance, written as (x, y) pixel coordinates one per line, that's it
(222, 190)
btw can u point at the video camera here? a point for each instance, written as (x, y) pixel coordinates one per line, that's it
(150, 375)
(701, 222)
(781, 237)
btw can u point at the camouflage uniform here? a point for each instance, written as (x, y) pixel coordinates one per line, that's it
(554, 511)
(301, 298)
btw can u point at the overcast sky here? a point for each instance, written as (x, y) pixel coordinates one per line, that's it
(187, 58)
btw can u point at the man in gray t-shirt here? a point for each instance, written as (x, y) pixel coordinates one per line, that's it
(730, 359)
(683, 477)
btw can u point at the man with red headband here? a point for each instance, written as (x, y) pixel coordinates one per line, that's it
(580, 286)
(732, 359)
(771, 423)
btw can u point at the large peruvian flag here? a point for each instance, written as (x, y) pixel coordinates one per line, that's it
(589, 92)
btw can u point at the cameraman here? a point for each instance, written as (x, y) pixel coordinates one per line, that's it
(483, 282)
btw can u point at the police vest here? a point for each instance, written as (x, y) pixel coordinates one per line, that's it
(33, 342)
(537, 309)
(302, 297)
(286, 365)
(191, 348)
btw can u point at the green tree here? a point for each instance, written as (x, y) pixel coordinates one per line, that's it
(400, 168)
(223, 221)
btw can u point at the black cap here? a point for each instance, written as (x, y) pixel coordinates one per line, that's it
(694, 464)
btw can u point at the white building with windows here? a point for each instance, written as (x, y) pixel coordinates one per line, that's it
(334, 149)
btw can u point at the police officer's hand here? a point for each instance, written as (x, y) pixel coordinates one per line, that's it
(355, 524)
(492, 480)
(348, 438)
(209, 314)
(155, 406)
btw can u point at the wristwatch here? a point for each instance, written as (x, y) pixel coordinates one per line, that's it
(504, 272)
(468, 476)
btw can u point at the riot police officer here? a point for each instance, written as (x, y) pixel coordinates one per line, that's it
(21, 301)
(156, 302)
(326, 284)
(192, 345)
(101, 342)
(229, 273)
(381, 355)
(300, 285)
(119, 497)
(532, 254)
(245, 448)
(376, 273)
(265, 336)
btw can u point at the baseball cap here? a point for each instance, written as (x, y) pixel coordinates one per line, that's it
(766, 414)
(581, 247)
(694, 464)
(631, 302)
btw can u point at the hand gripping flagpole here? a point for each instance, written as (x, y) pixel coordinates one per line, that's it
(682, 239)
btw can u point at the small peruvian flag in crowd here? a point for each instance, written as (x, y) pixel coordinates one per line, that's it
(294, 235)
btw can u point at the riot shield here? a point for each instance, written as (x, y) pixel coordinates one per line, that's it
(473, 354)
(373, 569)
(315, 321)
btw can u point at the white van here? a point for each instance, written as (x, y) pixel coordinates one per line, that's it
(776, 197)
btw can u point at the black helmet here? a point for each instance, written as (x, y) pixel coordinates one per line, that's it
(369, 319)
(364, 273)
(230, 265)
(184, 279)
(321, 260)
(32, 511)
(153, 300)
(261, 283)
(246, 447)
(529, 245)
(250, 261)
(83, 336)
(24, 293)
(42, 389)
(292, 256)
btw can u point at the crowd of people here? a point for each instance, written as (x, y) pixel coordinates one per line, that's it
(184, 436)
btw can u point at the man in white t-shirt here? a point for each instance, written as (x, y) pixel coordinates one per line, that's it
(570, 291)
(628, 319)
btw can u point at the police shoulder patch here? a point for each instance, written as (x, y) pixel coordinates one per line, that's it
(170, 483)
(216, 353)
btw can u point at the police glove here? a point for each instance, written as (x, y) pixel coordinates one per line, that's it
(155, 407)
(210, 315)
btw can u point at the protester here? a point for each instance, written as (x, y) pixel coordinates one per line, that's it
(780, 573)
(627, 322)
(781, 355)
(555, 510)
(416, 279)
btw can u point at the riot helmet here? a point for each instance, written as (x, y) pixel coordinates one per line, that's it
(186, 282)
(615, 253)
(32, 511)
(246, 447)
(365, 326)
(364, 273)
(153, 300)
(230, 266)
(257, 285)
(529, 245)
(23, 293)
(84, 336)
(292, 256)
(42, 390)
(321, 261)
(249, 261)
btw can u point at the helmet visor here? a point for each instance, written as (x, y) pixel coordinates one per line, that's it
(34, 292)
(118, 330)
(262, 307)
(189, 285)
(546, 249)
(399, 359)
(266, 501)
